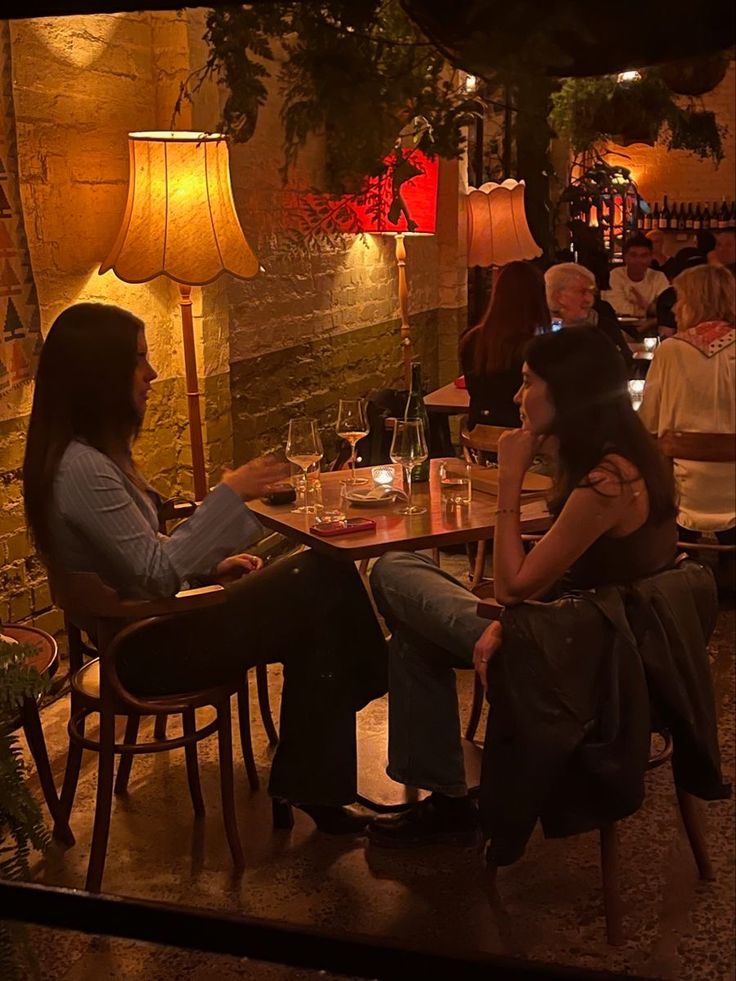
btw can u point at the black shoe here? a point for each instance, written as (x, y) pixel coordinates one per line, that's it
(436, 820)
(330, 818)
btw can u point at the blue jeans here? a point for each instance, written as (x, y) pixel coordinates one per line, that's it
(434, 630)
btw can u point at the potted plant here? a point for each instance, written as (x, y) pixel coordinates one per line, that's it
(22, 829)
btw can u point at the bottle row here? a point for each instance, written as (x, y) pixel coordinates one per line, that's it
(689, 216)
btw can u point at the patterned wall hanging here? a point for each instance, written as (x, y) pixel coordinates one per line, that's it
(20, 320)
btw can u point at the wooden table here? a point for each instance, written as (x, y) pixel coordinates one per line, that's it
(449, 399)
(438, 526)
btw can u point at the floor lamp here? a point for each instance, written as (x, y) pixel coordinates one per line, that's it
(498, 231)
(180, 222)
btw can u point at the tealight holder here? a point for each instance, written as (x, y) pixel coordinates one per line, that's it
(383, 476)
(650, 343)
(636, 392)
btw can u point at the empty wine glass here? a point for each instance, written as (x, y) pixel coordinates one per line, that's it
(304, 448)
(409, 448)
(352, 425)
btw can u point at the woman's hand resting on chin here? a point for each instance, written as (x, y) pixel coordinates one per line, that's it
(234, 567)
(516, 451)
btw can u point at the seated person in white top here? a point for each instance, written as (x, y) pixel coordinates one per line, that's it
(89, 509)
(691, 387)
(635, 286)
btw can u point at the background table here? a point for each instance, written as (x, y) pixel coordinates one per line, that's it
(439, 525)
(449, 399)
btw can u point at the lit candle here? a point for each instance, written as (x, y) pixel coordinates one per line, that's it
(650, 343)
(383, 476)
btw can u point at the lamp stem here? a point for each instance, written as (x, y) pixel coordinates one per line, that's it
(190, 371)
(404, 308)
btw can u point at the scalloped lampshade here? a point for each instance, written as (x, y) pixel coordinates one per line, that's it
(180, 219)
(497, 227)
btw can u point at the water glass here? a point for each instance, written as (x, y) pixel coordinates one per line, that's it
(636, 392)
(409, 448)
(455, 485)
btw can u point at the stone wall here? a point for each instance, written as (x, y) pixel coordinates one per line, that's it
(305, 331)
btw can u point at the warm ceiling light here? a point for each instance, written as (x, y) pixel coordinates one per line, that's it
(471, 83)
(629, 76)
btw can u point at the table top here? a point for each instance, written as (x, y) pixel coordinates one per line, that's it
(437, 526)
(45, 658)
(449, 399)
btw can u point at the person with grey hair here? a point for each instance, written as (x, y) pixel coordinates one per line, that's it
(571, 296)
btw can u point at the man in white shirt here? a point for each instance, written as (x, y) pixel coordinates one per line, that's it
(634, 286)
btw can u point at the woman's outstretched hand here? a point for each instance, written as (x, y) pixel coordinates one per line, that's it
(234, 567)
(516, 451)
(486, 646)
(254, 478)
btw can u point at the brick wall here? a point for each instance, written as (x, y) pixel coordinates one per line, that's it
(312, 327)
(681, 175)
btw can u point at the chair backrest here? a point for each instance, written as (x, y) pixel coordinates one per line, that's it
(704, 447)
(481, 439)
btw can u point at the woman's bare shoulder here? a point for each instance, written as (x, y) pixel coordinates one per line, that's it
(614, 475)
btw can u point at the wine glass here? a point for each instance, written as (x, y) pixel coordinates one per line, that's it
(304, 448)
(352, 425)
(409, 448)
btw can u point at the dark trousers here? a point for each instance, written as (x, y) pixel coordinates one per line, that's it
(309, 613)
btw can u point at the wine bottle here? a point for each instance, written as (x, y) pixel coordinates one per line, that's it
(706, 217)
(416, 409)
(646, 219)
(689, 217)
(663, 217)
(672, 217)
(698, 218)
(682, 218)
(724, 215)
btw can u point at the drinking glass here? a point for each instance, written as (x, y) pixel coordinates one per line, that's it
(636, 392)
(409, 448)
(352, 425)
(304, 448)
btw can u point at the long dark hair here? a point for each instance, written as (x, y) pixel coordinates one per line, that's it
(594, 416)
(516, 312)
(84, 390)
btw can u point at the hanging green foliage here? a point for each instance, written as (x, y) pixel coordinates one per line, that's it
(591, 112)
(354, 71)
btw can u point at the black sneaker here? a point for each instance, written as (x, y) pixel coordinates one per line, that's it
(438, 820)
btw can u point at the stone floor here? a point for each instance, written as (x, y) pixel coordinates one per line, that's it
(550, 910)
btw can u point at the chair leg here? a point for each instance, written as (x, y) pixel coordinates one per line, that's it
(103, 806)
(159, 728)
(264, 703)
(363, 566)
(480, 564)
(693, 821)
(126, 759)
(37, 745)
(225, 745)
(71, 777)
(189, 725)
(436, 556)
(611, 891)
(246, 743)
(475, 710)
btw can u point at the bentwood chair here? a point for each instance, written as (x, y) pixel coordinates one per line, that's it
(478, 444)
(97, 689)
(609, 852)
(45, 661)
(704, 448)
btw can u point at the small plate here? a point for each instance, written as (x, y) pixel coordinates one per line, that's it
(372, 497)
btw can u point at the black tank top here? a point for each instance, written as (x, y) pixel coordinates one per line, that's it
(608, 561)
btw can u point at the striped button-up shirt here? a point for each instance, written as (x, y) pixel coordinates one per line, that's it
(102, 523)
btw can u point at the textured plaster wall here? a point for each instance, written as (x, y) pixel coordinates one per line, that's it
(681, 175)
(307, 330)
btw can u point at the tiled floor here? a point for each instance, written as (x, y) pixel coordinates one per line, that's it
(550, 909)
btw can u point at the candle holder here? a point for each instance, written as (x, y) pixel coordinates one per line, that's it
(636, 392)
(650, 343)
(383, 476)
